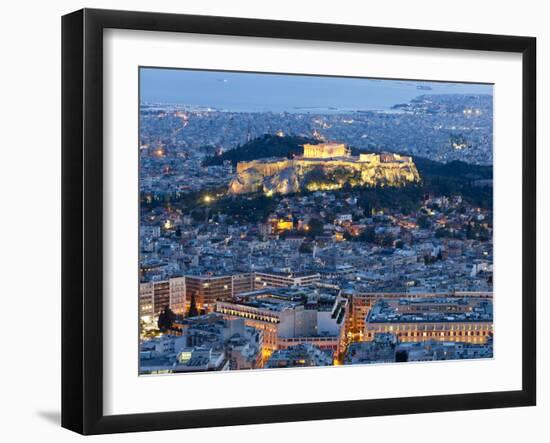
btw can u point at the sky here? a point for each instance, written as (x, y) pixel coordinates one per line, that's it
(250, 92)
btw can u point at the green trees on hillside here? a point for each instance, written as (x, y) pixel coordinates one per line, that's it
(262, 147)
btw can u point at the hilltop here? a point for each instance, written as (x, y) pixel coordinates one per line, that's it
(323, 167)
(268, 146)
(262, 147)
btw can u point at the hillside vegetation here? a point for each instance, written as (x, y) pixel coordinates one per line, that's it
(262, 147)
(288, 146)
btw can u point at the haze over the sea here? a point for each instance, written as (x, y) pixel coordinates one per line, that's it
(251, 92)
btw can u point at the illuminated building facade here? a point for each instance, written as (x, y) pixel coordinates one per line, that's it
(325, 150)
(155, 296)
(207, 290)
(386, 348)
(177, 288)
(176, 293)
(146, 297)
(284, 225)
(451, 319)
(292, 316)
(272, 318)
(362, 303)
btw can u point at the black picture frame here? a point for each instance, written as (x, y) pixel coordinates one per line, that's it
(82, 218)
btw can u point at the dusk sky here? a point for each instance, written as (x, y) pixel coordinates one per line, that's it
(277, 92)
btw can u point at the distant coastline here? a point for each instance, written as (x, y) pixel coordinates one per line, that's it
(393, 107)
(253, 92)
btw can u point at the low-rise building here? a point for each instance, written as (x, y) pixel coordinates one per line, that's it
(386, 348)
(200, 359)
(203, 343)
(362, 302)
(443, 350)
(454, 319)
(302, 355)
(291, 316)
(379, 350)
(274, 279)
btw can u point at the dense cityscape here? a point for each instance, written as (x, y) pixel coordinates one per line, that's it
(315, 237)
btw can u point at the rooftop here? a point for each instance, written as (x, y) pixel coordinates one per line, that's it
(433, 310)
(279, 299)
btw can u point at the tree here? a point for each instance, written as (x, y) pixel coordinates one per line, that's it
(315, 227)
(386, 239)
(484, 234)
(442, 232)
(469, 231)
(316, 175)
(401, 356)
(166, 318)
(341, 174)
(305, 248)
(198, 215)
(262, 147)
(368, 235)
(367, 209)
(193, 311)
(423, 222)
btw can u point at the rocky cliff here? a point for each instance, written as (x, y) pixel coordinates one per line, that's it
(283, 176)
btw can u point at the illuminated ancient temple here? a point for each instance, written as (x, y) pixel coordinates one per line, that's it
(326, 150)
(334, 160)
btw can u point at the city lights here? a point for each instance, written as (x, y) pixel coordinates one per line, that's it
(289, 236)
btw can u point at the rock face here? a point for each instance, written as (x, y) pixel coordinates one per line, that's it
(283, 176)
(285, 182)
(245, 182)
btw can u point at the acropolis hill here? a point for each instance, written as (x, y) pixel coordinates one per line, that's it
(326, 166)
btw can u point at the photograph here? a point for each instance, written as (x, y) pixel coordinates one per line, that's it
(240, 221)
(291, 220)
